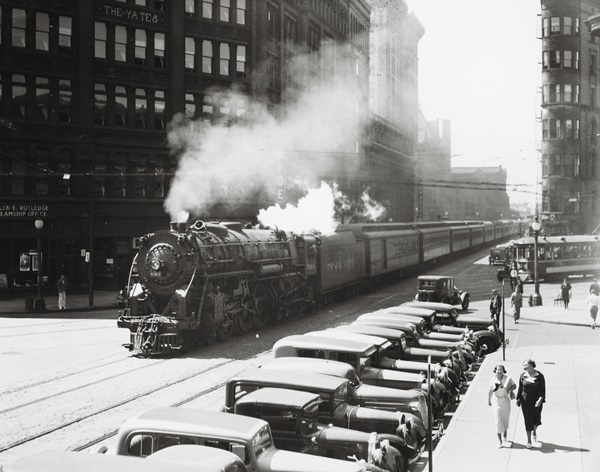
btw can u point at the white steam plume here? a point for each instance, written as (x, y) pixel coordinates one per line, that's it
(232, 163)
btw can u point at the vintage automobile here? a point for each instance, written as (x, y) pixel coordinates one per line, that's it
(367, 356)
(69, 461)
(419, 348)
(211, 458)
(501, 254)
(294, 419)
(338, 405)
(249, 438)
(439, 288)
(451, 377)
(447, 319)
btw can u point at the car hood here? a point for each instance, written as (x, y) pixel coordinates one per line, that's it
(473, 322)
(286, 461)
(374, 374)
(386, 394)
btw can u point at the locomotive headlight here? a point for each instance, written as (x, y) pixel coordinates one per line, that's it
(155, 264)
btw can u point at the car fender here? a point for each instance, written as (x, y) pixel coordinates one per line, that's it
(279, 461)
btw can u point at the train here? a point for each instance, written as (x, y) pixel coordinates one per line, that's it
(198, 282)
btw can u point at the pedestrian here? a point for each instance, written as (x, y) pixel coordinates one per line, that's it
(516, 301)
(530, 397)
(595, 287)
(495, 307)
(593, 301)
(62, 285)
(501, 392)
(565, 292)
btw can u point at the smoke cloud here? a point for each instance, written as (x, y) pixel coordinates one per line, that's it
(232, 163)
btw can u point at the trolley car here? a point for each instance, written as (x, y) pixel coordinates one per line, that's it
(558, 256)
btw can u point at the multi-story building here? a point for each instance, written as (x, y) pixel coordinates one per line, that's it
(570, 114)
(88, 89)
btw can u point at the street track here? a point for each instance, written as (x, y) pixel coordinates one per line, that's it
(104, 392)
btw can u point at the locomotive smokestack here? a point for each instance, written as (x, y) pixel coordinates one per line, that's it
(179, 226)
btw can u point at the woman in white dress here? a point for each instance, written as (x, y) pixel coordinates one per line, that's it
(501, 392)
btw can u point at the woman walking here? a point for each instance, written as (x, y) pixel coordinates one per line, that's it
(565, 292)
(531, 396)
(500, 393)
(593, 301)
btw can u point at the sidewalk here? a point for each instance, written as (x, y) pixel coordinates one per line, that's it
(569, 437)
(102, 300)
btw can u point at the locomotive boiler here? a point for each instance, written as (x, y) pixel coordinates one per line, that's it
(204, 281)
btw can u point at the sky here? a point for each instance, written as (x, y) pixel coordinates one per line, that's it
(479, 68)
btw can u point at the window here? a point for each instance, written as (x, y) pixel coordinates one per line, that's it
(100, 40)
(141, 3)
(141, 108)
(120, 106)
(568, 25)
(42, 31)
(273, 72)
(140, 47)
(207, 57)
(190, 7)
(545, 27)
(554, 95)
(0, 24)
(19, 96)
(272, 22)
(544, 164)
(224, 10)
(100, 99)
(190, 106)
(545, 59)
(139, 181)
(554, 59)
(554, 128)
(593, 98)
(224, 56)
(240, 67)
(99, 179)
(569, 129)
(65, 95)
(119, 181)
(0, 91)
(207, 109)
(160, 5)
(65, 33)
(576, 94)
(19, 27)
(555, 25)
(207, 8)
(120, 44)
(160, 115)
(576, 166)
(159, 182)
(190, 53)
(42, 97)
(568, 93)
(241, 12)
(568, 59)
(159, 50)
(290, 31)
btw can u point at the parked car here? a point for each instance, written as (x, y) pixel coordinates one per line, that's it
(69, 461)
(294, 419)
(367, 356)
(440, 288)
(447, 317)
(194, 456)
(249, 438)
(339, 405)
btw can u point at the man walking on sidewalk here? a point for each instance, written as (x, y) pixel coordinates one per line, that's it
(495, 307)
(62, 286)
(516, 300)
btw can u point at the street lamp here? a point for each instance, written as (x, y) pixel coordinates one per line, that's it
(535, 226)
(40, 303)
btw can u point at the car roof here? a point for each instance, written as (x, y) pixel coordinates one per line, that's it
(305, 341)
(408, 310)
(374, 340)
(202, 458)
(280, 397)
(431, 305)
(70, 461)
(321, 366)
(192, 422)
(435, 277)
(374, 330)
(284, 377)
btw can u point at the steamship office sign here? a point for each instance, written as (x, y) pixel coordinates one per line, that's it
(25, 211)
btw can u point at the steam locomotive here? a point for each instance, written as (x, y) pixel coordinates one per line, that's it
(199, 282)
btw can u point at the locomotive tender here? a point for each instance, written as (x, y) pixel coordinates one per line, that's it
(203, 281)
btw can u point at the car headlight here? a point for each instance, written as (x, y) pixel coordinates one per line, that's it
(155, 264)
(414, 406)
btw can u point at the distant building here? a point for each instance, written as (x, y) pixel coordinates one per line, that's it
(570, 114)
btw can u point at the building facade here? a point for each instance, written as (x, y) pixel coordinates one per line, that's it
(88, 91)
(570, 115)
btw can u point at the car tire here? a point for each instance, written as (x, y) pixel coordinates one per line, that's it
(465, 303)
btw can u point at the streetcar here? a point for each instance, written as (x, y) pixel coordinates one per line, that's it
(558, 256)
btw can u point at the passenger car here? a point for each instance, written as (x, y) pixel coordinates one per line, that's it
(447, 318)
(248, 438)
(438, 288)
(338, 405)
(294, 419)
(68, 461)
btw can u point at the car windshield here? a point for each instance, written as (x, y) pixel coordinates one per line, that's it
(262, 441)
(340, 395)
(310, 418)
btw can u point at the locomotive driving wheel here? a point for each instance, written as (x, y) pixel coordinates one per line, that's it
(242, 320)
